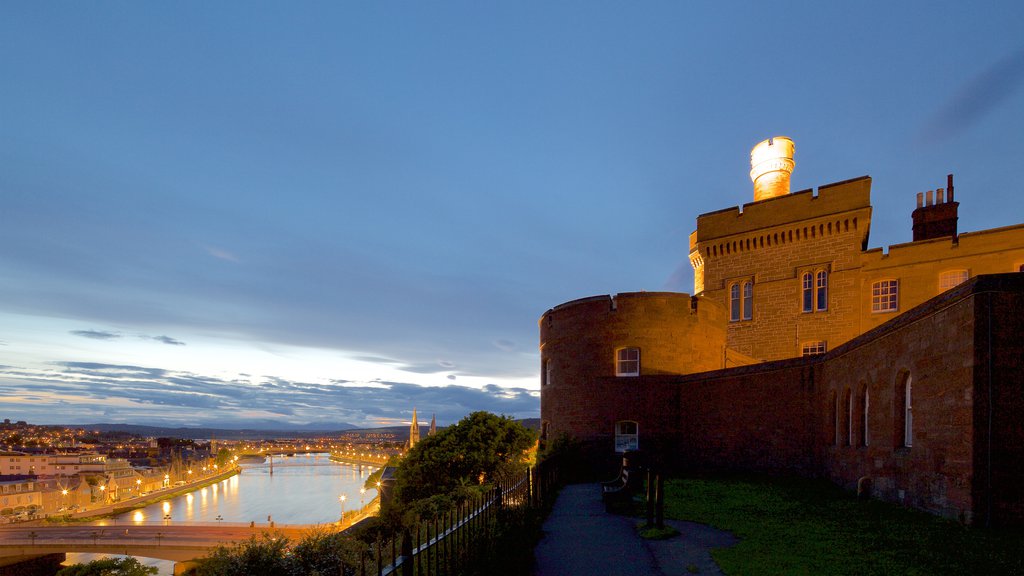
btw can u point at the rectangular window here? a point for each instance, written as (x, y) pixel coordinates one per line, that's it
(626, 437)
(547, 373)
(812, 348)
(951, 278)
(627, 362)
(885, 296)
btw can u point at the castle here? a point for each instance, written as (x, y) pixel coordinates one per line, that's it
(898, 372)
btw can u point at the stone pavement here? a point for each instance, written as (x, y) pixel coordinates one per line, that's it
(581, 539)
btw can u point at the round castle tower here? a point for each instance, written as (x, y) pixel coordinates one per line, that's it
(597, 352)
(771, 165)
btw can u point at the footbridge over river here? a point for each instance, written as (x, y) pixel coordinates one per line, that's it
(178, 542)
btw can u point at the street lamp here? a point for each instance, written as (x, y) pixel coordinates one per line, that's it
(342, 500)
(362, 495)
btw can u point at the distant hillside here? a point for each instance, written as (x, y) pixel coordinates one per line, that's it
(278, 431)
(394, 433)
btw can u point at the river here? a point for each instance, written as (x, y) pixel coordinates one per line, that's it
(304, 489)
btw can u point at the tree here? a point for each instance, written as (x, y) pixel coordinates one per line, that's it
(253, 557)
(108, 567)
(481, 449)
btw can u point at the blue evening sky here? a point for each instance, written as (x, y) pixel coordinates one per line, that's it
(228, 212)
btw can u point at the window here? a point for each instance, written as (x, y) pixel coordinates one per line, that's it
(547, 373)
(626, 437)
(951, 278)
(627, 362)
(1020, 268)
(748, 300)
(812, 348)
(734, 302)
(849, 417)
(885, 296)
(835, 419)
(865, 436)
(808, 292)
(903, 418)
(908, 411)
(741, 303)
(821, 292)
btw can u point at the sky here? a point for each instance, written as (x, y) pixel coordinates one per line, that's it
(320, 212)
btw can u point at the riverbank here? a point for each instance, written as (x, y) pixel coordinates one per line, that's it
(357, 460)
(122, 506)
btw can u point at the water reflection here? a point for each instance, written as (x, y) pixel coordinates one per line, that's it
(303, 489)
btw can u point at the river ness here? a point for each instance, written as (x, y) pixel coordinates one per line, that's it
(304, 489)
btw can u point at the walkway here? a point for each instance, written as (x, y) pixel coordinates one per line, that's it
(581, 539)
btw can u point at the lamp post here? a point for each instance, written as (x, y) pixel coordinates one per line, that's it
(64, 500)
(342, 500)
(103, 493)
(362, 496)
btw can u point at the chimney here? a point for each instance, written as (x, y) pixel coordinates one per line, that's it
(938, 219)
(771, 164)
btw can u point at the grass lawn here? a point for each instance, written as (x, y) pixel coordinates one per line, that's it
(795, 526)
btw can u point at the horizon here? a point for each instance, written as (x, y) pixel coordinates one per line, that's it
(221, 214)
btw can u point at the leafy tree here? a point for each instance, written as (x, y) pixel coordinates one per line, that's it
(264, 556)
(223, 455)
(108, 567)
(480, 450)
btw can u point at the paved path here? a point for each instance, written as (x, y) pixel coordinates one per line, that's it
(581, 539)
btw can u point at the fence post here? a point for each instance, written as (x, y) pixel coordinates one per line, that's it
(407, 564)
(661, 502)
(650, 497)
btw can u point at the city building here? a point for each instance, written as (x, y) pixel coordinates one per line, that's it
(896, 372)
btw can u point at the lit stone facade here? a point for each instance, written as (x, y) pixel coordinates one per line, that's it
(899, 371)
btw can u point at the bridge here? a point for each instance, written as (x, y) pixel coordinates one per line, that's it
(178, 542)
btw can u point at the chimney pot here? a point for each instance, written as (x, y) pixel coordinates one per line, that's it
(928, 200)
(939, 195)
(920, 199)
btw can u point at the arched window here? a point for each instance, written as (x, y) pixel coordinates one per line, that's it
(908, 411)
(808, 291)
(821, 290)
(626, 437)
(734, 302)
(835, 419)
(849, 417)
(748, 300)
(865, 434)
(627, 362)
(903, 402)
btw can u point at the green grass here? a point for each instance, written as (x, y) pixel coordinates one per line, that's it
(794, 526)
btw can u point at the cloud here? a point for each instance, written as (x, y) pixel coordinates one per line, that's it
(166, 340)
(221, 254)
(976, 98)
(505, 345)
(95, 334)
(82, 392)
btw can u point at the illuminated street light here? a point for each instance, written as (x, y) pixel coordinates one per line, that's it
(342, 500)
(362, 495)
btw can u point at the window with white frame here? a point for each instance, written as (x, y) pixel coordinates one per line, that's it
(734, 302)
(821, 290)
(807, 291)
(741, 301)
(627, 362)
(748, 300)
(951, 278)
(885, 296)
(812, 348)
(626, 437)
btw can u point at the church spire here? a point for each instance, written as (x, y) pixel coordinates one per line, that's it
(414, 430)
(433, 425)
